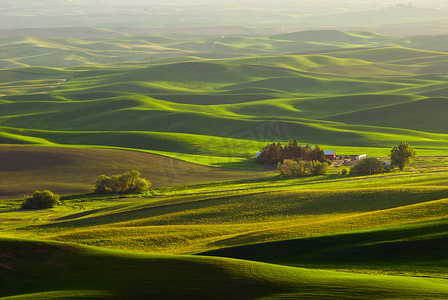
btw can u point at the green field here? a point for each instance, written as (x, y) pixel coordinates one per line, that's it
(189, 110)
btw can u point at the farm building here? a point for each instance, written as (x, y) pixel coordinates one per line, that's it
(331, 154)
(359, 157)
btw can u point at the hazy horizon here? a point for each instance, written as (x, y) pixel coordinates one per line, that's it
(387, 17)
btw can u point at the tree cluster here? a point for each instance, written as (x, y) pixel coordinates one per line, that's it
(369, 166)
(276, 152)
(41, 200)
(126, 182)
(291, 167)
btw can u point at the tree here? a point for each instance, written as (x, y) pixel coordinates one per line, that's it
(141, 185)
(369, 166)
(319, 168)
(101, 184)
(291, 150)
(126, 182)
(41, 200)
(317, 154)
(401, 156)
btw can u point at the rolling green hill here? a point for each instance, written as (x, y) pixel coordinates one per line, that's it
(70, 271)
(430, 113)
(419, 246)
(265, 98)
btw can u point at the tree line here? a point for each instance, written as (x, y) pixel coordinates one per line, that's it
(276, 152)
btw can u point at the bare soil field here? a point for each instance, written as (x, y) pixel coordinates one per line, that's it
(24, 169)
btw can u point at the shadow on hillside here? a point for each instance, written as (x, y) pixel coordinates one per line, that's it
(246, 165)
(416, 244)
(150, 210)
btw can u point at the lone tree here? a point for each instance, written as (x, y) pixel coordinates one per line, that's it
(401, 156)
(41, 200)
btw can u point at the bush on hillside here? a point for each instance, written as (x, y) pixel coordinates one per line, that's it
(126, 182)
(301, 168)
(41, 200)
(369, 166)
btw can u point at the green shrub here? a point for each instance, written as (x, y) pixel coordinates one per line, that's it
(126, 182)
(344, 172)
(41, 200)
(319, 168)
(300, 168)
(368, 166)
(142, 185)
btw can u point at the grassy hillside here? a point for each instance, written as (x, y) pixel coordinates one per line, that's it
(429, 111)
(292, 105)
(70, 271)
(412, 248)
(311, 222)
(214, 101)
(206, 217)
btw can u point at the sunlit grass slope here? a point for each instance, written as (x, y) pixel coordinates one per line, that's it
(230, 216)
(54, 270)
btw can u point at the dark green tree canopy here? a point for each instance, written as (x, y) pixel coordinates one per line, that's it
(276, 152)
(401, 156)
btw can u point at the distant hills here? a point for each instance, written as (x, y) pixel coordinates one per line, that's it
(180, 96)
(71, 51)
